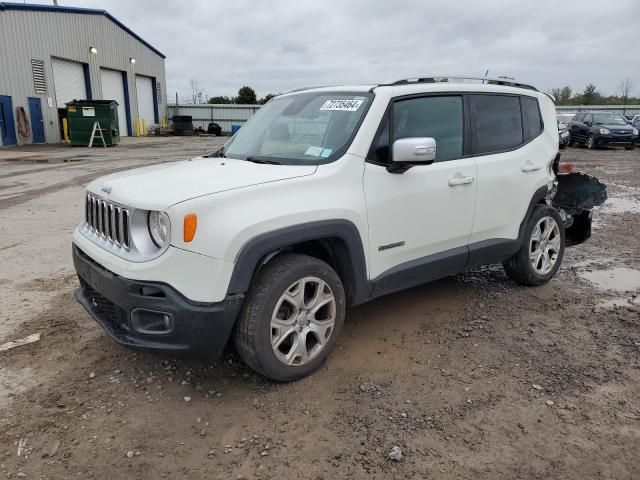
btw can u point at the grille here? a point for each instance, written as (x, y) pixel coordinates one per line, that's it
(108, 221)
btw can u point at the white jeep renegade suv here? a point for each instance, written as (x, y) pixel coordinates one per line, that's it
(327, 198)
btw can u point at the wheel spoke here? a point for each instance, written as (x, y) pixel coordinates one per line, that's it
(295, 294)
(298, 351)
(281, 335)
(321, 330)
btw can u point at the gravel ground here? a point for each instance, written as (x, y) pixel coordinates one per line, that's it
(468, 377)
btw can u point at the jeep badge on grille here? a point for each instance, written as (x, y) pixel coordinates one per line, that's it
(106, 188)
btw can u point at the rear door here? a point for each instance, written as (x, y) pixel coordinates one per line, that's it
(512, 161)
(425, 214)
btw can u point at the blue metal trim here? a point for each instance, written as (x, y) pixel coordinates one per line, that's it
(127, 106)
(87, 80)
(89, 11)
(154, 86)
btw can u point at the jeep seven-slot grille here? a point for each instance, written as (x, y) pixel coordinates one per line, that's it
(108, 220)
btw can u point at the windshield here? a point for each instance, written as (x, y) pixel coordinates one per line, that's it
(301, 129)
(608, 119)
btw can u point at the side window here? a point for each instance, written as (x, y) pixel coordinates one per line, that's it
(578, 118)
(532, 122)
(498, 122)
(436, 117)
(586, 118)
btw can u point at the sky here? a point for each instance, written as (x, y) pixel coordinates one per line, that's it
(275, 46)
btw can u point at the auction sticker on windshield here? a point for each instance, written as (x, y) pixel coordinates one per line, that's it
(342, 105)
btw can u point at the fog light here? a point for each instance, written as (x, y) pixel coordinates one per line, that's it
(150, 322)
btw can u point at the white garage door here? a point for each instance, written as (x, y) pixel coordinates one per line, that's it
(144, 90)
(68, 78)
(113, 89)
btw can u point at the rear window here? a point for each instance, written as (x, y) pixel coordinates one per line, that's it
(498, 122)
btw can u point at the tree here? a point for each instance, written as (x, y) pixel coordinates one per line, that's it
(246, 96)
(266, 98)
(197, 93)
(565, 94)
(624, 88)
(590, 96)
(221, 99)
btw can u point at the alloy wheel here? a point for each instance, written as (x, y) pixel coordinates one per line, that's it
(544, 245)
(302, 321)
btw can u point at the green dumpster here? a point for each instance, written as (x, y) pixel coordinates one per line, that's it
(82, 115)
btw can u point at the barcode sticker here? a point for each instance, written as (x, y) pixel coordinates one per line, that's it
(342, 105)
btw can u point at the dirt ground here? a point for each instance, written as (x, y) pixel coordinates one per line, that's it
(471, 377)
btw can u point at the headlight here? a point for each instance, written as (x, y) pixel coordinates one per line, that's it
(159, 228)
(605, 131)
(635, 131)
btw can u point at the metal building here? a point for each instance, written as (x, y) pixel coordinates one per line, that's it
(50, 55)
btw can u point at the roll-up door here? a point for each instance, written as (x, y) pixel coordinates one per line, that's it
(68, 78)
(144, 90)
(113, 89)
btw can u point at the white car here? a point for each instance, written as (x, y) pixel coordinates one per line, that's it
(326, 198)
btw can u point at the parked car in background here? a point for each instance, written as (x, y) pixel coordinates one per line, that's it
(635, 123)
(563, 134)
(596, 129)
(214, 129)
(564, 118)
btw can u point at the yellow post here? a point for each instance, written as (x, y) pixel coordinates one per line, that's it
(65, 130)
(144, 128)
(137, 128)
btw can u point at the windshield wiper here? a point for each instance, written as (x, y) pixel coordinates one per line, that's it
(258, 160)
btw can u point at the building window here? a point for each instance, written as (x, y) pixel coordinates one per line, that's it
(39, 79)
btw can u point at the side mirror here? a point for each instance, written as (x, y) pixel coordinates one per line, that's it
(588, 123)
(414, 150)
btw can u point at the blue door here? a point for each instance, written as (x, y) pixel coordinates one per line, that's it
(37, 124)
(7, 126)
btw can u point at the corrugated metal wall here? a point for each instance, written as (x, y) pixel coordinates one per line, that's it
(224, 115)
(26, 35)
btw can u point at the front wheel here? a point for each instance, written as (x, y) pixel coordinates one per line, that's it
(591, 142)
(542, 249)
(292, 317)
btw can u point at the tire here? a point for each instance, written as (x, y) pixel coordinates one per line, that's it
(274, 312)
(591, 142)
(520, 268)
(570, 143)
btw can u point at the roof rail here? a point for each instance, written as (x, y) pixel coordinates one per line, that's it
(302, 89)
(510, 82)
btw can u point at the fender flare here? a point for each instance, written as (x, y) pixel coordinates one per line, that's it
(260, 247)
(537, 198)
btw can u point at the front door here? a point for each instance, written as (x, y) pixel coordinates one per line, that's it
(7, 125)
(420, 220)
(37, 123)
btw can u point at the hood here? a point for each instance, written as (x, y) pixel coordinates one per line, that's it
(617, 128)
(158, 187)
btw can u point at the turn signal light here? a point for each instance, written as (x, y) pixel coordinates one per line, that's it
(190, 225)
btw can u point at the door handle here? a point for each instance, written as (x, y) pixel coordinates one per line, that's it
(458, 180)
(530, 167)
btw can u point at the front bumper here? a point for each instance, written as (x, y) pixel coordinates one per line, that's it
(612, 139)
(200, 328)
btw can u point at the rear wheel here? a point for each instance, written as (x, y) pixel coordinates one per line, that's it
(292, 317)
(542, 249)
